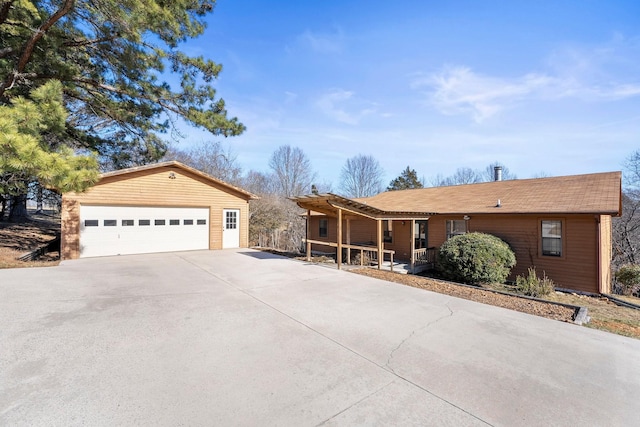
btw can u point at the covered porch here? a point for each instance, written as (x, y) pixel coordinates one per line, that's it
(408, 253)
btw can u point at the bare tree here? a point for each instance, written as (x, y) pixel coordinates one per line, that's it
(292, 170)
(361, 176)
(274, 221)
(626, 228)
(461, 176)
(259, 183)
(210, 158)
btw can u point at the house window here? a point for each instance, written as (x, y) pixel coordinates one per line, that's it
(144, 222)
(158, 222)
(90, 222)
(110, 222)
(324, 227)
(202, 222)
(387, 231)
(174, 222)
(127, 222)
(455, 227)
(552, 238)
(231, 220)
(188, 222)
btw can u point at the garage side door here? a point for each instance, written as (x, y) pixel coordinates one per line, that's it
(120, 230)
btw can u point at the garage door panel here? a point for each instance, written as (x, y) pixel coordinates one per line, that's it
(141, 230)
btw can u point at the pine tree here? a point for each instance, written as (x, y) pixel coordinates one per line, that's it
(406, 180)
(25, 157)
(112, 58)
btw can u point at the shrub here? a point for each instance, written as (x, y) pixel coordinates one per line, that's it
(533, 285)
(476, 258)
(628, 276)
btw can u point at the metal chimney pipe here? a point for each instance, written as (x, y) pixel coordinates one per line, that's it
(497, 173)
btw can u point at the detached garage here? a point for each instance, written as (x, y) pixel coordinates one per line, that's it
(162, 207)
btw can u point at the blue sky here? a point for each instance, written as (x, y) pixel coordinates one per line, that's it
(545, 87)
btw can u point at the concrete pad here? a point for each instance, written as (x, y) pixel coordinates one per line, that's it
(240, 337)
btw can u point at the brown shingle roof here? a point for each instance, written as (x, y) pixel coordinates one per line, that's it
(593, 193)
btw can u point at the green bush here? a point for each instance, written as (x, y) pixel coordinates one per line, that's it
(533, 285)
(628, 276)
(476, 258)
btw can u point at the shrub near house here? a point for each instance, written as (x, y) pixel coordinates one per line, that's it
(476, 258)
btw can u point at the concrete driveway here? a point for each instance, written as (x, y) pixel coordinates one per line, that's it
(239, 337)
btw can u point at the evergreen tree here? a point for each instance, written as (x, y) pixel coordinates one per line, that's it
(408, 179)
(111, 58)
(25, 157)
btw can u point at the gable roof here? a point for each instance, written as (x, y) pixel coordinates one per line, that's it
(184, 167)
(592, 193)
(598, 193)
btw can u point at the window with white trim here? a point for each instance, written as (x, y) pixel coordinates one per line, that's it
(552, 238)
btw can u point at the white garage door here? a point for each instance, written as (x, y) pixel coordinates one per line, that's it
(120, 230)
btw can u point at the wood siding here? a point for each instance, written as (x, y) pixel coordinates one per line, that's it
(153, 187)
(583, 266)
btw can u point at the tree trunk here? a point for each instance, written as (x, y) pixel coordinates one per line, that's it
(39, 197)
(18, 208)
(3, 208)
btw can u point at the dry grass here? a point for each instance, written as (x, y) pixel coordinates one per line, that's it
(605, 314)
(17, 239)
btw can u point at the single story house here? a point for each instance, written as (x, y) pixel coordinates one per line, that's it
(559, 225)
(160, 207)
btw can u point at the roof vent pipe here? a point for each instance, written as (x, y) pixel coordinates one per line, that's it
(497, 173)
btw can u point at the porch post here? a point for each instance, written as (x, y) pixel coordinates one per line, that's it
(413, 244)
(306, 232)
(339, 249)
(380, 246)
(348, 241)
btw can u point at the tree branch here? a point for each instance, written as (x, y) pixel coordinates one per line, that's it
(78, 43)
(4, 10)
(27, 50)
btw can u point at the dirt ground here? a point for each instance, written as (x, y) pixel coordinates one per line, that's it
(17, 239)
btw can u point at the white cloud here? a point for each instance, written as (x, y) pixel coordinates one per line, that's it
(458, 90)
(341, 105)
(600, 74)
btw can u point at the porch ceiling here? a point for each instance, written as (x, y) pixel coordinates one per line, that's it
(329, 204)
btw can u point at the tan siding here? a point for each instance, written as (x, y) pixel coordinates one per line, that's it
(605, 253)
(155, 188)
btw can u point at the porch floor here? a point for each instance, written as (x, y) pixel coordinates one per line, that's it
(398, 267)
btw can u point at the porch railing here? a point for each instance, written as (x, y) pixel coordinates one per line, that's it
(366, 252)
(424, 257)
